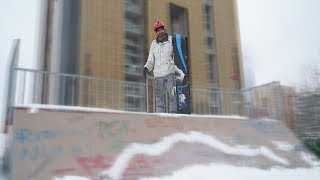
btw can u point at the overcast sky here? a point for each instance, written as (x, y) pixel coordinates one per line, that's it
(18, 19)
(279, 37)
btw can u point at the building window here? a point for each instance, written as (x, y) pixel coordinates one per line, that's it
(134, 52)
(179, 20)
(208, 24)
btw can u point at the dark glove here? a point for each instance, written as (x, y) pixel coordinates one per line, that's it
(145, 72)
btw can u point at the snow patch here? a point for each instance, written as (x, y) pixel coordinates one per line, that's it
(310, 159)
(283, 146)
(70, 178)
(35, 107)
(33, 110)
(121, 163)
(268, 120)
(65, 108)
(202, 116)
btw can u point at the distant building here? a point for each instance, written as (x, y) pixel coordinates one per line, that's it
(266, 101)
(111, 38)
(273, 101)
(289, 97)
(308, 114)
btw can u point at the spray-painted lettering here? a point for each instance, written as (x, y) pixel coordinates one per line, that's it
(63, 171)
(40, 152)
(97, 162)
(116, 132)
(24, 135)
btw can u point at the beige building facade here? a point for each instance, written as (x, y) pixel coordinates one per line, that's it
(110, 39)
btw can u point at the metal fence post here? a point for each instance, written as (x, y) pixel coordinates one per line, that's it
(73, 91)
(23, 86)
(119, 96)
(63, 102)
(147, 93)
(104, 93)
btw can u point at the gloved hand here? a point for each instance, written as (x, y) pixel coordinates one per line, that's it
(145, 72)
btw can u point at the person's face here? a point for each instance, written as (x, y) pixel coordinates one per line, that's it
(160, 31)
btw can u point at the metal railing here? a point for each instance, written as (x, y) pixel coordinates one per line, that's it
(41, 87)
(259, 102)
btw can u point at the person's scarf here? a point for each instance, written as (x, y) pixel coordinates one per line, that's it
(163, 39)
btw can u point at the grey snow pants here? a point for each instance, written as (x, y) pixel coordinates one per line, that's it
(163, 85)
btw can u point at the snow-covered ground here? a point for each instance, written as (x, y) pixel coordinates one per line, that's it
(228, 172)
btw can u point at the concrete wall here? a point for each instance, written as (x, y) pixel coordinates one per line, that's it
(57, 142)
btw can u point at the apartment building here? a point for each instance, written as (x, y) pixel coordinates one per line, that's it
(110, 39)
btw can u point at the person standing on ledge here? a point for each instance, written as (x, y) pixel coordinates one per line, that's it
(161, 62)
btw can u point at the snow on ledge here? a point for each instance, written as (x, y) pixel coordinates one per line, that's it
(34, 108)
(71, 178)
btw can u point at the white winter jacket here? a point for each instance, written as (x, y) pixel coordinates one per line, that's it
(160, 58)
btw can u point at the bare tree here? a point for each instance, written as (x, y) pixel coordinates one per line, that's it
(311, 79)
